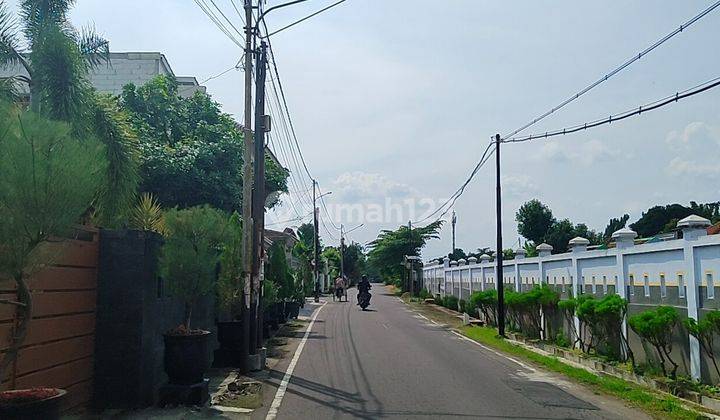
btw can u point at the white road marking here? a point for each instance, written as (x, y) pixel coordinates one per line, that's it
(493, 351)
(462, 337)
(272, 413)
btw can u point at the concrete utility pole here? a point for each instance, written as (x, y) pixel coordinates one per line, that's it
(412, 285)
(315, 241)
(454, 221)
(342, 253)
(247, 230)
(498, 253)
(262, 125)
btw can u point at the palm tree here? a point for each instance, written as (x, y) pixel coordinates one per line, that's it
(53, 59)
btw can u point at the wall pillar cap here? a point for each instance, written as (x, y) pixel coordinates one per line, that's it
(485, 258)
(544, 247)
(578, 241)
(624, 234)
(693, 221)
(472, 260)
(461, 261)
(453, 263)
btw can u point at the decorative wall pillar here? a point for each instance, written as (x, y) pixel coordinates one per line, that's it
(484, 259)
(577, 245)
(693, 227)
(472, 261)
(624, 239)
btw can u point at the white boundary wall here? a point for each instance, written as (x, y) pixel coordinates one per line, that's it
(683, 272)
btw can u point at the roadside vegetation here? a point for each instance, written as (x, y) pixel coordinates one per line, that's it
(655, 403)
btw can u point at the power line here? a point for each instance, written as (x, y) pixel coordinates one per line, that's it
(622, 115)
(616, 70)
(327, 213)
(451, 201)
(284, 100)
(206, 9)
(227, 20)
(303, 19)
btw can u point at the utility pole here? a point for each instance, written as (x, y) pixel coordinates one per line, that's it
(262, 125)
(412, 285)
(342, 253)
(247, 230)
(454, 221)
(498, 253)
(315, 243)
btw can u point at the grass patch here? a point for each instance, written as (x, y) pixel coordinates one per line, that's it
(656, 404)
(638, 396)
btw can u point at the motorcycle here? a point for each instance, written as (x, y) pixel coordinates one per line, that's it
(364, 300)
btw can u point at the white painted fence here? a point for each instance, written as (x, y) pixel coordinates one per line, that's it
(684, 273)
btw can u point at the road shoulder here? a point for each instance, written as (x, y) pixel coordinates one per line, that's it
(611, 393)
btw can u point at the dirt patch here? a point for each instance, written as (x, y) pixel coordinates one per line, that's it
(245, 394)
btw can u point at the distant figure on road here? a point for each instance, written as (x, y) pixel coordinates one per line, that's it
(340, 287)
(363, 287)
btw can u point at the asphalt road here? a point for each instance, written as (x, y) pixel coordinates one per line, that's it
(389, 362)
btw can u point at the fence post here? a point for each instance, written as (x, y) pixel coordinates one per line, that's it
(624, 239)
(484, 259)
(519, 255)
(577, 245)
(543, 250)
(453, 264)
(446, 265)
(472, 261)
(693, 227)
(461, 262)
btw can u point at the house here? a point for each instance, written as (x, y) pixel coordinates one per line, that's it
(123, 68)
(714, 229)
(288, 238)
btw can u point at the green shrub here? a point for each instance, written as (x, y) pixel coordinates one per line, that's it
(461, 306)
(191, 253)
(48, 179)
(230, 280)
(656, 327)
(438, 300)
(486, 303)
(561, 340)
(424, 294)
(450, 302)
(705, 332)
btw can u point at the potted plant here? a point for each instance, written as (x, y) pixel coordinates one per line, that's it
(277, 271)
(269, 307)
(48, 180)
(230, 297)
(188, 261)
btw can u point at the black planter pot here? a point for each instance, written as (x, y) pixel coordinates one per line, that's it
(292, 309)
(48, 408)
(186, 357)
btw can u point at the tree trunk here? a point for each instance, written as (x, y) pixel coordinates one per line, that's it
(23, 313)
(662, 359)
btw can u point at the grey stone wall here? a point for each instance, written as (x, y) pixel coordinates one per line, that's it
(134, 309)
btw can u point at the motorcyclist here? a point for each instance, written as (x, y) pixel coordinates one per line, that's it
(363, 287)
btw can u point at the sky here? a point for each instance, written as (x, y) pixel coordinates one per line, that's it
(394, 101)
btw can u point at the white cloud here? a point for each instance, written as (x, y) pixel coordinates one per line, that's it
(696, 148)
(584, 153)
(695, 135)
(679, 166)
(518, 186)
(358, 185)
